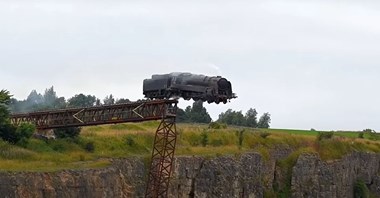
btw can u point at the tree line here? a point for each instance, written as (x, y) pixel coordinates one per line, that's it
(49, 100)
(196, 113)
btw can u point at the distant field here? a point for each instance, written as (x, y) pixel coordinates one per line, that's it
(96, 144)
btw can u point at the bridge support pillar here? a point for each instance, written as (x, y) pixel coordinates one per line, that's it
(162, 159)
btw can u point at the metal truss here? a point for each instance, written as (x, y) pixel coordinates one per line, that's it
(111, 114)
(162, 159)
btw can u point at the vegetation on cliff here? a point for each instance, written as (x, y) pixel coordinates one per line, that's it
(96, 144)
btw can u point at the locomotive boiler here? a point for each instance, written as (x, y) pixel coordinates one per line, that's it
(188, 86)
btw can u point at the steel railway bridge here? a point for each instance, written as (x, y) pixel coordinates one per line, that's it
(165, 137)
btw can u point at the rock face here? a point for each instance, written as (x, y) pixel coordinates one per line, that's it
(248, 175)
(312, 177)
(220, 177)
(119, 180)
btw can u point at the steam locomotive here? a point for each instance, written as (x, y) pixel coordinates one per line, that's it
(188, 86)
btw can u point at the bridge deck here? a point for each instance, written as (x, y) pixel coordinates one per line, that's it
(76, 117)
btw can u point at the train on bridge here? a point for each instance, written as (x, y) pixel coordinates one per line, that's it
(188, 86)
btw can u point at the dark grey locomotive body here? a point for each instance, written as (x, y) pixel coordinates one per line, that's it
(188, 86)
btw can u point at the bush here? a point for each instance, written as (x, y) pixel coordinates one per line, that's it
(240, 137)
(24, 132)
(90, 147)
(325, 135)
(59, 145)
(361, 135)
(17, 135)
(64, 145)
(361, 190)
(130, 141)
(69, 132)
(369, 131)
(217, 125)
(204, 138)
(264, 134)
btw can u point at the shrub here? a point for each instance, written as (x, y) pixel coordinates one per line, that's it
(63, 145)
(264, 134)
(217, 125)
(17, 135)
(130, 141)
(204, 138)
(90, 147)
(361, 135)
(325, 135)
(240, 137)
(38, 145)
(24, 132)
(369, 131)
(69, 132)
(361, 190)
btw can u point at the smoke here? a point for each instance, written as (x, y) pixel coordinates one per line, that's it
(215, 69)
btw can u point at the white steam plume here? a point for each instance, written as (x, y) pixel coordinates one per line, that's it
(216, 70)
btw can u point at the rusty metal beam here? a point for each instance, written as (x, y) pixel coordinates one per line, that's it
(111, 114)
(162, 159)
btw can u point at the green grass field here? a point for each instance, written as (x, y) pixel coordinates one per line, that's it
(97, 144)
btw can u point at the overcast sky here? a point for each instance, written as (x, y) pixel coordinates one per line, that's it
(310, 64)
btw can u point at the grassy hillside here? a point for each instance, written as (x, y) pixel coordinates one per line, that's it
(99, 143)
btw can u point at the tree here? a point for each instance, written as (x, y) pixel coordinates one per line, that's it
(109, 100)
(122, 100)
(5, 99)
(181, 116)
(23, 133)
(198, 113)
(35, 98)
(232, 118)
(264, 121)
(251, 118)
(59, 103)
(50, 96)
(81, 100)
(9, 132)
(98, 103)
